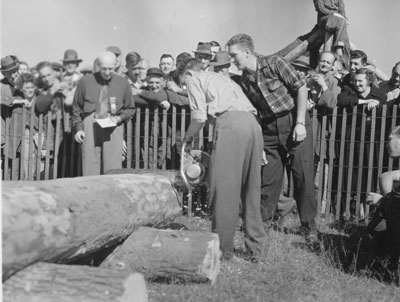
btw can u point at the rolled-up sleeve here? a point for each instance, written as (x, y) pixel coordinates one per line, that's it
(197, 99)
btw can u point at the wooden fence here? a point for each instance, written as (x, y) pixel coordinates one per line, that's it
(350, 143)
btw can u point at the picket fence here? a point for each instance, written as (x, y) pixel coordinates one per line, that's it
(352, 143)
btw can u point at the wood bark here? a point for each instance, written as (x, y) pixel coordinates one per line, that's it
(173, 175)
(64, 219)
(168, 254)
(47, 282)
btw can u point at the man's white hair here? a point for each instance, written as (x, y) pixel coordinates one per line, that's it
(107, 57)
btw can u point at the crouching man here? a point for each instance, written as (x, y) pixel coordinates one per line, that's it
(236, 156)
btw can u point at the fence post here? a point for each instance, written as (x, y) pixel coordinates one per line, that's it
(138, 127)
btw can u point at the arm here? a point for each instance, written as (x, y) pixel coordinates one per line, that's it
(194, 127)
(329, 92)
(386, 181)
(198, 108)
(177, 99)
(347, 98)
(129, 105)
(299, 133)
(152, 96)
(289, 77)
(77, 106)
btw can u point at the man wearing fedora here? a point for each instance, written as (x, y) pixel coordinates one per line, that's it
(280, 96)
(204, 54)
(9, 69)
(71, 64)
(221, 63)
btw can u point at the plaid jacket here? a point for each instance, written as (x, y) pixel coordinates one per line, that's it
(276, 80)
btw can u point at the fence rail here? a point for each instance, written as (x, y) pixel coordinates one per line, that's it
(349, 145)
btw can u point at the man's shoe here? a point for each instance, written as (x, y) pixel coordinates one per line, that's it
(310, 232)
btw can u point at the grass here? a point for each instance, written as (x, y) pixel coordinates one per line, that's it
(340, 270)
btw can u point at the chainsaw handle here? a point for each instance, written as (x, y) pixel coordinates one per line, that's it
(182, 169)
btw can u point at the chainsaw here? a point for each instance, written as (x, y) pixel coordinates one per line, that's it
(193, 170)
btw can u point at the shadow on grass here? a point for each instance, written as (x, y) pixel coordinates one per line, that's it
(354, 252)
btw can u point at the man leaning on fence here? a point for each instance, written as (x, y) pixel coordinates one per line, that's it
(102, 102)
(280, 96)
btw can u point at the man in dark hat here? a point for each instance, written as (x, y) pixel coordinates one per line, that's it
(302, 67)
(204, 54)
(9, 69)
(71, 63)
(221, 63)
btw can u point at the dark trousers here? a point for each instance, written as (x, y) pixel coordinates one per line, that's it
(235, 179)
(280, 148)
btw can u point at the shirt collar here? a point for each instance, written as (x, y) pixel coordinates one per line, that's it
(102, 81)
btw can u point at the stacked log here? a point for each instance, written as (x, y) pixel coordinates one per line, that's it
(168, 255)
(47, 282)
(64, 219)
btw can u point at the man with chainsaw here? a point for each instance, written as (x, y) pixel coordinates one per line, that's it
(236, 155)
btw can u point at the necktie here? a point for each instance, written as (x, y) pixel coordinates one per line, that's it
(102, 109)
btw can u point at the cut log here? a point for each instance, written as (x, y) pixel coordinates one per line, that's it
(47, 282)
(64, 219)
(168, 254)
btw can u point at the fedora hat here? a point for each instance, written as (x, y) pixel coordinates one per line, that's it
(221, 58)
(9, 63)
(302, 62)
(204, 48)
(71, 55)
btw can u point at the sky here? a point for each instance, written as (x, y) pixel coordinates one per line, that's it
(38, 30)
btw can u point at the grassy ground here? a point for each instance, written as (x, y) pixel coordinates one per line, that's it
(341, 269)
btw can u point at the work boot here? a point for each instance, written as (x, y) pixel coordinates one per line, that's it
(310, 232)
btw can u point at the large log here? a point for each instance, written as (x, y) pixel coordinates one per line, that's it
(64, 219)
(47, 282)
(168, 254)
